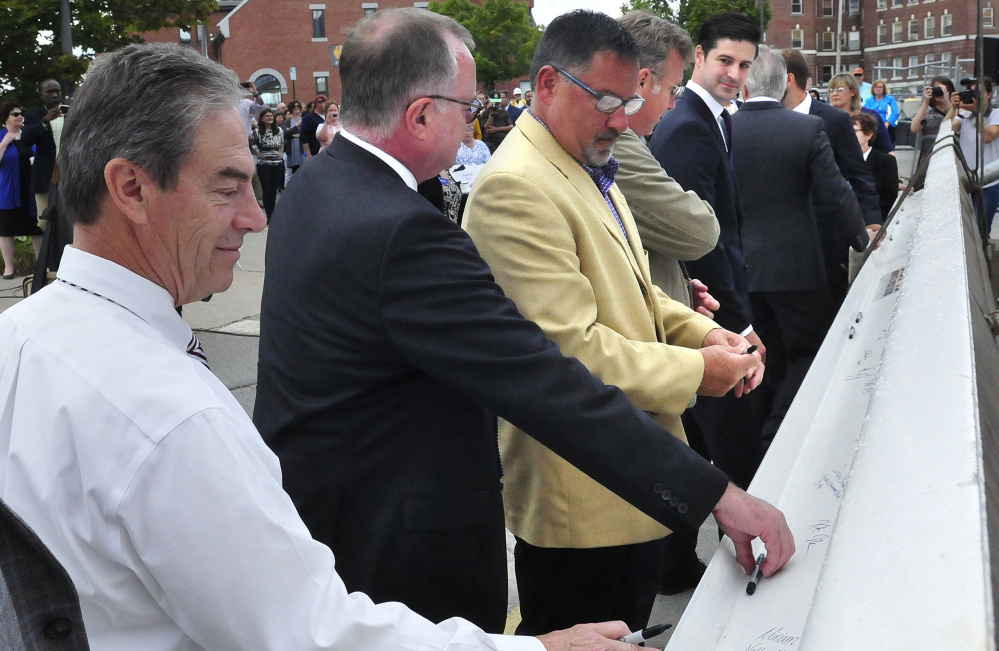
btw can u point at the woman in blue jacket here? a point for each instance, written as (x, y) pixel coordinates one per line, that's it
(885, 105)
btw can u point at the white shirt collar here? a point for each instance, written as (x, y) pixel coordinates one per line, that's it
(760, 98)
(140, 296)
(806, 104)
(712, 103)
(867, 153)
(408, 177)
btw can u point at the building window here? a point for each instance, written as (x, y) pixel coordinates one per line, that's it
(945, 59)
(421, 5)
(797, 38)
(913, 2)
(185, 37)
(827, 42)
(896, 32)
(882, 4)
(854, 7)
(853, 42)
(987, 19)
(796, 7)
(318, 23)
(896, 72)
(322, 84)
(913, 30)
(946, 25)
(930, 27)
(930, 69)
(881, 70)
(369, 7)
(827, 8)
(882, 34)
(914, 66)
(896, 3)
(827, 73)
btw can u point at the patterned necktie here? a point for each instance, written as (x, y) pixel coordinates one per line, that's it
(727, 121)
(195, 350)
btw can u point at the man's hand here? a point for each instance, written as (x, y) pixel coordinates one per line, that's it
(927, 94)
(742, 518)
(53, 113)
(754, 339)
(704, 303)
(722, 337)
(589, 637)
(726, 368)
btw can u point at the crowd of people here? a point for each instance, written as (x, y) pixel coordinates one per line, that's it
(640, 263)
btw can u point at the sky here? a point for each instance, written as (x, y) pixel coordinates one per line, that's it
(545, 10)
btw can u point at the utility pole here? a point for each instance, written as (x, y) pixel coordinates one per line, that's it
(66, 41)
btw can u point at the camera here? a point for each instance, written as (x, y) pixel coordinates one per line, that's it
(64, 108)
(937, 91)
(968, 95)
(245, 84)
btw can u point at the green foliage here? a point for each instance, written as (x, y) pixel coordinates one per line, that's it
(505, 38)
(693, 13)
(98, 26)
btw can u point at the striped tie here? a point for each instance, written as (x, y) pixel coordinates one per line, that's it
(195, 350)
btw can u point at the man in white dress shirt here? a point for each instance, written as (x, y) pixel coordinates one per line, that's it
(118, 446)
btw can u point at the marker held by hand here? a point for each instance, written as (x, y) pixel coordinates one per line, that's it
(757, 574)
(644, 634)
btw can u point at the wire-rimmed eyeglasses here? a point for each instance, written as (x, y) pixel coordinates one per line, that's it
(475, 106)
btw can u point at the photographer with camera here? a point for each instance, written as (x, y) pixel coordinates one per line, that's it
(966, 103)
(935, 109)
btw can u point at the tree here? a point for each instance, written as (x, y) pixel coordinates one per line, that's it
(29, 29)
(505, 38)
(692, 13)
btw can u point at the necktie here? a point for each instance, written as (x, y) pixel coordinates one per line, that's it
(727, 121)
(195, 350)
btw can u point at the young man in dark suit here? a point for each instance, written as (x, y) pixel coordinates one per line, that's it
(386, 349)
(839, 129)
(784, 165)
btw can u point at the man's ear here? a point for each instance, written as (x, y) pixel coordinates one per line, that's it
(547, 82)
(419, 116)
(130, 188)
(646, 80)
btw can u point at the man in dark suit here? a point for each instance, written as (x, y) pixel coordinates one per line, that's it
(839, 129)
(386, 348)
(38, 131)
(692, 144)
(783, 163)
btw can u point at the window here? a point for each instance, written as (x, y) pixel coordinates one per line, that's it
(882, 4)
(827, 41)
(827, 8)
(421, 5)
(842, 40)
(896, 63)
(914, 66)
(797, 38)
(896, 32)
(854, 7)
(185, 37)
(796, 7)
(322, 83)
(930, 27)
(987, 19)
(913, 2)
(269, 88)
(896, 3)
(913, 30)
(369, 7)
(945, 59)
(881, 70)
(318, 22)
(827, 73)
(853, 42)
(882, 34)
(930, 69)
(946, 25)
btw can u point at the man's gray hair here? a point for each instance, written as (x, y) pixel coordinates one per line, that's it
(657, 38)
(768, 74)
(142, 103)
(392, 58)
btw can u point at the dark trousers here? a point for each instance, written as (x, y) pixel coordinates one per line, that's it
(560, 588)
(792, 325)
(271, 178)
(726, 431)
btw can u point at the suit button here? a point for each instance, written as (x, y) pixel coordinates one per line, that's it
(58, 629)
(683, 508)
(746, 268)
(674, 501)
(667, 493)
(657, 488)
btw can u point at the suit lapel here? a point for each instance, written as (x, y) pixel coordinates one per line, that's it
(702, 109)
(545, 142)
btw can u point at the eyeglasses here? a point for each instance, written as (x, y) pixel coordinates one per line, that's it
(606, 103)
(16, 114)
(838, 89)
(677, 90)
(473, 111)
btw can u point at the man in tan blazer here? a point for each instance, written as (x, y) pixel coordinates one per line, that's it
(563, 245)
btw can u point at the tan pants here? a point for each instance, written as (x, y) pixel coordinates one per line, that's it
(42, 203)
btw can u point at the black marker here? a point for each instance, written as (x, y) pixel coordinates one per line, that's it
(750, 350)
(757, 574)
(644, 634)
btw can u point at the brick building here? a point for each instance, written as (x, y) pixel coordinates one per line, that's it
(288, 48)
(904, 42)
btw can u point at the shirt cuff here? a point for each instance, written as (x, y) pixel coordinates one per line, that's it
(517, 643)
(745, 333)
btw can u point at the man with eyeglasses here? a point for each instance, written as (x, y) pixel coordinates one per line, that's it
(561, 241)
(386, 347)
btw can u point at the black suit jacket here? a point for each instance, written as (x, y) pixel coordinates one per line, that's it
(884, 167)
(385, 351)
(783, 162)
(688, 144)
(39, 134)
